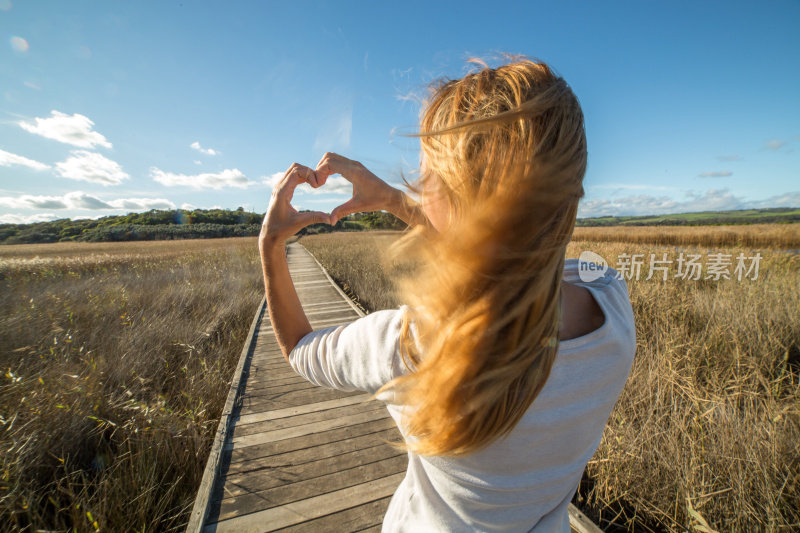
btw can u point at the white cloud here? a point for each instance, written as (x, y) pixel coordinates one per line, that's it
(7, 159)
(711, 200)
(28, 201)
(29, 219)
(716, 174)
(91, 166)
(208, 151)
(227, 178)
(633, 187)
(273, 179)
(788, 199)
(188, 207)
(18, 44)
(82, 200)
(141, 204)
(774, 144)
(75, 130)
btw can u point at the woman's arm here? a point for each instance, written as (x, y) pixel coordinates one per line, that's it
(289, 321)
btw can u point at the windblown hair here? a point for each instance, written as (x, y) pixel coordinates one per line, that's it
(508, 149)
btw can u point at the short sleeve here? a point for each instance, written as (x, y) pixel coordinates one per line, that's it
(362, 355)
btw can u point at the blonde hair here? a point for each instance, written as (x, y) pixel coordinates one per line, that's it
(508, 148)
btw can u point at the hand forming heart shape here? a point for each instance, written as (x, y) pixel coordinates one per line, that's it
(370, 193)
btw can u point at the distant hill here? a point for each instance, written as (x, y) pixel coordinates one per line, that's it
(777, 215)
(172, 224)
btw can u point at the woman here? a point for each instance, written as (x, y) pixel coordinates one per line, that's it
(504, 368)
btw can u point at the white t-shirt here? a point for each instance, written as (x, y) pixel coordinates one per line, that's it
(524, 481)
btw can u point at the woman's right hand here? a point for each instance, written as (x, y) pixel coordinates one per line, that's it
(370, 193)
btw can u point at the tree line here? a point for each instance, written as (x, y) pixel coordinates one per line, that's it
(173, 224)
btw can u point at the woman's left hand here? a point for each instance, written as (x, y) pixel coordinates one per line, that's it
(282, 220)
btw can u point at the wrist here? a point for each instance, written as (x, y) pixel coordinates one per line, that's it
(269, 243)
(396, 203)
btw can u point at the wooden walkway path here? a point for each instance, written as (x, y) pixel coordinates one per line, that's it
(289, 456)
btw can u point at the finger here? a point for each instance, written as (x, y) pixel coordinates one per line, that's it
(309, 176)
(290, 181)
(303, 172)
(334, 164)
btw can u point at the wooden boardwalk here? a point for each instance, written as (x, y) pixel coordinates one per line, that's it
(289, 456)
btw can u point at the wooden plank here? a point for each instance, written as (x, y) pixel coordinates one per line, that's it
(320, 313)
(246, 483)
(312, 453)
(316, 324)
(309, 488)
(302, 409)
(317, 416)
(269, 391)
(311, 282)
(353, 519)
(292, 399)
(325, 304)
(303, 429)
(272, 448)
(302, 511)
(580, 523)
(293, 378)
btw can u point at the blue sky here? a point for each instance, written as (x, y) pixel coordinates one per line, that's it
(112, 107)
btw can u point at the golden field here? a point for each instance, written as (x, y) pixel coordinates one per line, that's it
(115, 360)
(773, 236)
(707, 430)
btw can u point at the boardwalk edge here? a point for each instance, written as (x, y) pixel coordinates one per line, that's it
(203, 498)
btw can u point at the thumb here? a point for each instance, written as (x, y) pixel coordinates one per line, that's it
(314, 217)
(347, 208)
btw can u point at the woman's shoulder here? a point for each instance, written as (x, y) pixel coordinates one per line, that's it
(597, 277)
(610, 293)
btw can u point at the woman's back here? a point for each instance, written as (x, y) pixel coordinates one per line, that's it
(523, 480)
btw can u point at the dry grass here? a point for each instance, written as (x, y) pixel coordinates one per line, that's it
(709, 420)
(116, 359)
